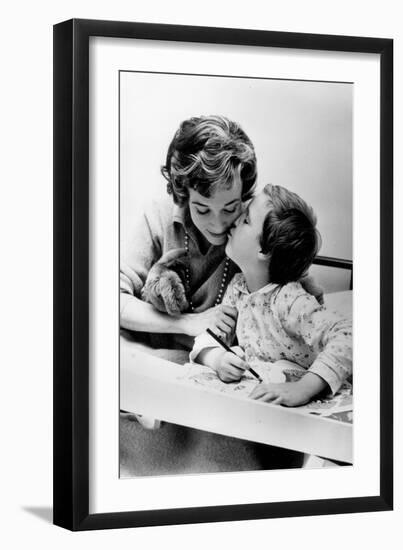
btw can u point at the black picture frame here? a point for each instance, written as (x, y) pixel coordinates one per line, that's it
(71, 273)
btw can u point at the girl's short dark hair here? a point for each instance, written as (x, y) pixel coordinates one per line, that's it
(289, 235)
(207, 152)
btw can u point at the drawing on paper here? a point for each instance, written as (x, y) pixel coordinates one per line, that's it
(338, 407)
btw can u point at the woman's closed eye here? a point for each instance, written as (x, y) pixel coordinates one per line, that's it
(226, 211)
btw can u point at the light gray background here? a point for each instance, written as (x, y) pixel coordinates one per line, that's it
(302, 132)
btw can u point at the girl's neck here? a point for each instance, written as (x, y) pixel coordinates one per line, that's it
(256, 277)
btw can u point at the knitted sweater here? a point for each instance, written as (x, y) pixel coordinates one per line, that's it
(159, 229)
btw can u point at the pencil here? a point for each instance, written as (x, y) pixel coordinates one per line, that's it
(227, 348)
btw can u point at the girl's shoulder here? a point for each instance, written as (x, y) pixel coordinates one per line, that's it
(291, 291)
(239, 278)
(293, 295)
(238, 282)
(236, 287)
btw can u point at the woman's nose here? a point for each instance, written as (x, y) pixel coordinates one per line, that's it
(219, 225)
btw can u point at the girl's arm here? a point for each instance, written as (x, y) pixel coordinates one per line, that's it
(211, 357)
(205, 349)
(230, 367)
(291, 394)
(327, 332)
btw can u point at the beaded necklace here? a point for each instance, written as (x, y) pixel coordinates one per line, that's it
(187, 277)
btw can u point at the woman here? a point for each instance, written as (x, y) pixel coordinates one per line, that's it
(211, 172)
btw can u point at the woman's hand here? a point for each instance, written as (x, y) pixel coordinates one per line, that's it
(309, 285)
(231, 367)
(220, 319)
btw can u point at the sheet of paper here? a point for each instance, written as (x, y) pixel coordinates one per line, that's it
(338, 407)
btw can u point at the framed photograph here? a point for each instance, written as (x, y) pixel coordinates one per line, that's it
(223, 274)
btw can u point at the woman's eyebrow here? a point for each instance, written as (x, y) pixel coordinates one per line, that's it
(208, 206)
(232, 202)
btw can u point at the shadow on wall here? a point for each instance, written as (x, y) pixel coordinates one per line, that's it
(44, 513)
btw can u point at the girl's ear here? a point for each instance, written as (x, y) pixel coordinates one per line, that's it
(263, 257)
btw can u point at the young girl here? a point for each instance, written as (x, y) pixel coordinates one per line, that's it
(274, 243)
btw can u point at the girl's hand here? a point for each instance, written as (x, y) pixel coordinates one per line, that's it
(232, 367)
(220, 319)
(290, 394)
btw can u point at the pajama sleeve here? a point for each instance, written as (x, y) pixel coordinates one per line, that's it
(204, 340)
(327, 333)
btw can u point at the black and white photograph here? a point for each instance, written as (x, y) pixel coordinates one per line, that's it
(236, 274)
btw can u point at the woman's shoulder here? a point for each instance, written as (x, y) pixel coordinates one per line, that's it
(159, 210)
(160, 203)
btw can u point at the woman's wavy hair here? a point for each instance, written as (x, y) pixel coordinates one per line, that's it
(205, 153)
(289, 235)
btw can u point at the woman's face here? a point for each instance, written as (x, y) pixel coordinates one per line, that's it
(213, 216)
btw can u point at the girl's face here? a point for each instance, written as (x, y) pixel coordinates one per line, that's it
(243, 245)
(213, 216)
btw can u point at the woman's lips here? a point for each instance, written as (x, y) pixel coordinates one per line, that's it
(217, 235)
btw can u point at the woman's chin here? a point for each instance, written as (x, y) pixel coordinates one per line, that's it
(216, 240)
